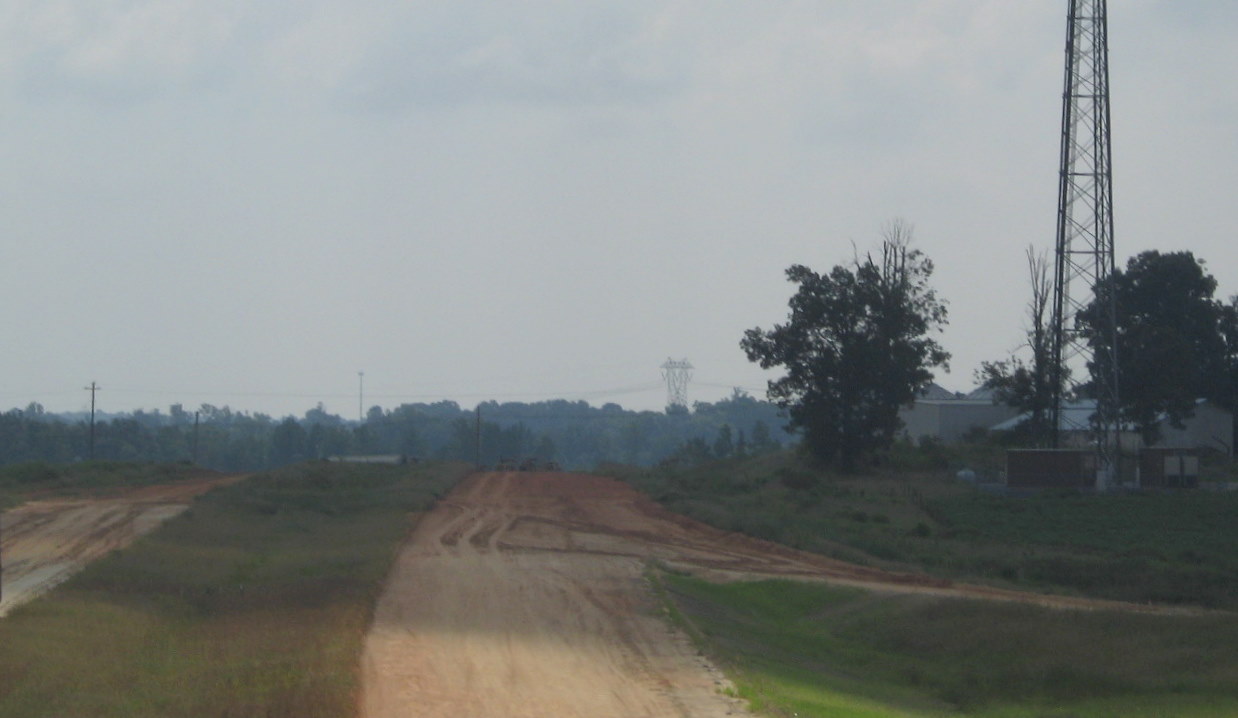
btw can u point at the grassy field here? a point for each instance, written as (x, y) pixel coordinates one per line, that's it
(796, 649)
(20, 482)
(1172, 548)
(814, 650)
(254, 602)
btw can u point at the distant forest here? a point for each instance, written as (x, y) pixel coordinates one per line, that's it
(571, 433)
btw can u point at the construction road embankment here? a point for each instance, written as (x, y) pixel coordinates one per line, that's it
(524, 594)
(42, 543)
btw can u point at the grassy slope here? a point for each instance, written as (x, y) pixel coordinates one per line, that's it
(20, 482)
(254, 602)
(1163, 548)
(814, 650)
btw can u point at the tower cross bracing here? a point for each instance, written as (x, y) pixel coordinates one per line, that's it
(677, 375)
(1085, 251)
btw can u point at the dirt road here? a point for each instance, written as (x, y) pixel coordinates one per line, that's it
(522, 595)
(42, 543)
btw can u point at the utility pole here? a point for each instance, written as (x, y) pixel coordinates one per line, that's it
(94, 387)
(1085, 257)
(195, 438)
(477, 442)
(360, 397)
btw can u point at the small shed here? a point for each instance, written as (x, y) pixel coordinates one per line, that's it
(1169, 468)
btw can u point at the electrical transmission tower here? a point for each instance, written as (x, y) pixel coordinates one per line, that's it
(677, 375)
(1085, 260)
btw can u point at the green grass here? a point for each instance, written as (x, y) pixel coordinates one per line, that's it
(254, 602)
(19, 482)
(1155, 547)
(815, 650)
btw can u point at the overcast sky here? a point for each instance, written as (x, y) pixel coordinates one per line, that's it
(246, 203)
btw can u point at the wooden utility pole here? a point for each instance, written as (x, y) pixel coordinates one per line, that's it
(477, 443)
(94, 387)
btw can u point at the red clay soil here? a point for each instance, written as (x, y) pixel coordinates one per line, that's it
(42, 543)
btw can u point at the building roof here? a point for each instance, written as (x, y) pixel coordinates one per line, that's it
(1076, 416)
(982, 393)
(936, 392)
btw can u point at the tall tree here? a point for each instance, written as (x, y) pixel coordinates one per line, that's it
(1028, 385)
(1226, 393)
(856, 347)
(287, 442)
(1170, 348)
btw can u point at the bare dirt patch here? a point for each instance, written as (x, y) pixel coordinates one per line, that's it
(523, 595)
(44, 542)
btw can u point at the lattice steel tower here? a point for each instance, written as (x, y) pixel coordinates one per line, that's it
(677, 375)
(1085, 260)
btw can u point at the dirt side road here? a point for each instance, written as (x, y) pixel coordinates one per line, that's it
(522, 595)
(42, 543)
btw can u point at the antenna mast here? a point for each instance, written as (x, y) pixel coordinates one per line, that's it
(1085, 259)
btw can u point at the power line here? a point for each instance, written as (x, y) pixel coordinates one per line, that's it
(214, 396)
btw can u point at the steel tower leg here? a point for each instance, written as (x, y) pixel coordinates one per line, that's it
(1085, 257)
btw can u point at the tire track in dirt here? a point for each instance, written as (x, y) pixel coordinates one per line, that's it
(506, 603)
(523, 595)
(43, 543)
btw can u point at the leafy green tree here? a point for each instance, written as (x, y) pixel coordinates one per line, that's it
(724, 444)
(856, 347)
(694, 452)
(1170, 348)
(545, 450)
(288, 442)
(1226, 393)
(762, 441)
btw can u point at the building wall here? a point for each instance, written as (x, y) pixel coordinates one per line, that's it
(949, 420)
(920, 420)
(1212, 428)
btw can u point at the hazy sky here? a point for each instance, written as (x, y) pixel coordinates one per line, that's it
(246, 203)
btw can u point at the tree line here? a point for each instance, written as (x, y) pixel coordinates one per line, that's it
(859, 344)
(573, 434)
